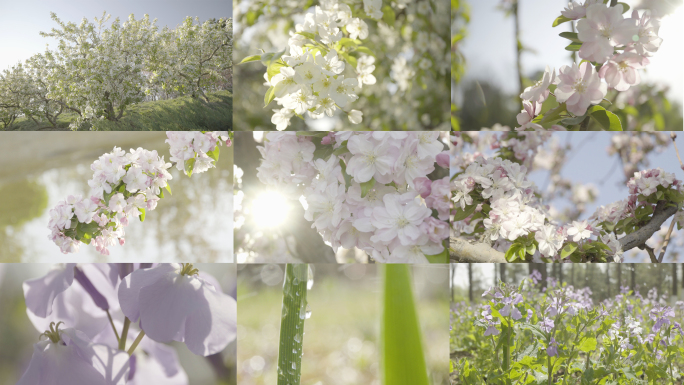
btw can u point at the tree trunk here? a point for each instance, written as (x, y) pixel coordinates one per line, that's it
(451, 281)
(674, 280)
(608, 279)
(619, 276)
(572, 274)
(560, 273)
(633, 276)
(545, 275)
(502, 272)
(470, 282)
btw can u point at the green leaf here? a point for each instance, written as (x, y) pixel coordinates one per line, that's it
(570, 36)
(568, 249)
(270, 95)
(308, 35)
(531, 249)
(625, 7)
(142, 215)
(365, 50)
(605, 118)
(189, 166)
(341, 150)
(560, 20)
(317, 134)
(214, 154)
(250, 59)
(402, 359)
(168, 188)
(274, 68)
(388, 15)
(587, 344)
(573, 46)
(271, 57)
(513, 252)
(347, 42)
(366, 187)
(465, 213)
(347, 177)
(554, 114)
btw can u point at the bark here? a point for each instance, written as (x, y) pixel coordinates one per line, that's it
(674, 280)
(633, 277)
(619, 276)
(464, 251)
(502, 272)
(661, 213)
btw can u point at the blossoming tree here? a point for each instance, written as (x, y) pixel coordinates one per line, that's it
(98, 71)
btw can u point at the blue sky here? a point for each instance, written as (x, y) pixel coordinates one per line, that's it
(489, 47)
(21, 21)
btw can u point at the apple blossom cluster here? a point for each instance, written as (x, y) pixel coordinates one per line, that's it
(614, 49)
(196, 152)
(310, 80)
(123, 187)
(363, 190)
(109, 324)
(494, 201)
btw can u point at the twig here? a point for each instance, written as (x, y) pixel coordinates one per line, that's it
(666, 241)
(650, 252)
(674, 136)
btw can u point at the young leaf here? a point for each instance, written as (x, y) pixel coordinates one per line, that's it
(366, 187)
(142, 215)
(214, 154)
(574, 46)
(189, 166)
(465, 213)
(560, 20)
(307, 35)
(250, 59)
(571, 36)
(168, 188)
(270, 95)
(568, 249)
(605, 118)
(402, 359)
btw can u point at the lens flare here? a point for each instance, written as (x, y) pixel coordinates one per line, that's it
(270, 209)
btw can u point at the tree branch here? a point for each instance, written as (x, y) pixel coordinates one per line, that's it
(661, 213)
(464, 251)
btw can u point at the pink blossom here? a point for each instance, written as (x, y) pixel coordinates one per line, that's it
(580, 87)
(621, 70)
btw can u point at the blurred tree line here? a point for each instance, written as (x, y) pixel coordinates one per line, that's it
(604, 280)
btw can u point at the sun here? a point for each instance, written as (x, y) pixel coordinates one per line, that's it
(270, 209)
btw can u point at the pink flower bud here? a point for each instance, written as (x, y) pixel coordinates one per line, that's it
(328, 138)
(122, 241)
(423, 186)
(443, 159)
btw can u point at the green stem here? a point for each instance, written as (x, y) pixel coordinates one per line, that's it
(292, 324)
(124, 334)
(136, 342)
(507, 347)
(550, 370)
(111, 322)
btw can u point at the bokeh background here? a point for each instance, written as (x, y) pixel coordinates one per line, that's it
(485, 76)
(17, 333)
(265, 25)
(43, 168)
(341, 337)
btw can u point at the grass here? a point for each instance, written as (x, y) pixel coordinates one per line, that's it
(180, 114)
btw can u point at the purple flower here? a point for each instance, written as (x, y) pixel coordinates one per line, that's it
(68, 357)
(174, 303)
(529, 315)
(552, 350)
(547, 324)
(491, 330)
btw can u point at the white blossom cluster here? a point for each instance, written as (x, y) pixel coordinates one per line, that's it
(493, 193)
(311, 81)
(371, 193)
(185, 146)
(124, 186)
(602, 31)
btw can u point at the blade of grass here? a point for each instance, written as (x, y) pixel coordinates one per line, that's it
(292, 324)
(403, 361)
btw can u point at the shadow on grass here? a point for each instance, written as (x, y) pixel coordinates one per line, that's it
(180, 114)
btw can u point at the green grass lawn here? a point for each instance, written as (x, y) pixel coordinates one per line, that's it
(180, 114)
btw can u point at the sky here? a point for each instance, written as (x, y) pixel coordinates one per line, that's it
(21, 21)
(489, 47)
